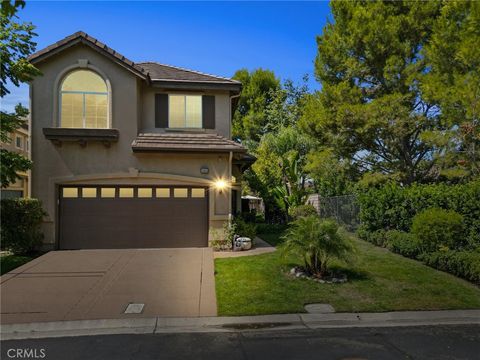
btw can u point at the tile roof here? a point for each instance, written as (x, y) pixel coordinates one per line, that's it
(164, 72)
(80, 36)
(186, 142)
(152, 70)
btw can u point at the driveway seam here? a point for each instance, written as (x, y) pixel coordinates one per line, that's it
(110, 283)
(87, 293)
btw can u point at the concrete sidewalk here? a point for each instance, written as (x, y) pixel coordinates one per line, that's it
(235, 324)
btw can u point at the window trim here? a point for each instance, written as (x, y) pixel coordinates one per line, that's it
(80, 65)
(18, 137)
(185, 112)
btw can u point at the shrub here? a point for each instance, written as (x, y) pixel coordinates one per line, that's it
(244, 228)
(20, 223)
(271, 228)
(377, 237)
(402, 243)
(465, 264)
(222, 239)
(392, 207)
(438, 228)
(302, 211)
(316, 242)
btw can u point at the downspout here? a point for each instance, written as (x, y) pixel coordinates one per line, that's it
(230, 159)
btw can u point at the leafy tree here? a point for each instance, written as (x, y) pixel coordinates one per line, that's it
(454, 84)
(286, 105)
(279, 168)
(277, 175)
(332, 177)
(371, 107)
(16, 46)
(249, 121)
(317, 242)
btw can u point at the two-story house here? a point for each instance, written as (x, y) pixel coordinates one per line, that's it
(19, 142)
(131, 155)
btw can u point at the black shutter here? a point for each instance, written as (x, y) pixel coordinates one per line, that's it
(208, 111)
(161, 110)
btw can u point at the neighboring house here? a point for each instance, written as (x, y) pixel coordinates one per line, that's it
(252, 204)
(131, 155)
(314, 200)
(19, 143)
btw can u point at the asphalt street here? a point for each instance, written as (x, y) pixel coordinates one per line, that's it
(421, 342)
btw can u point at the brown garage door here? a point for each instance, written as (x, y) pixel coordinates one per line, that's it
(116, 217)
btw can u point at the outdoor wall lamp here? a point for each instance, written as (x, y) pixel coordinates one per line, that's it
(220, 185)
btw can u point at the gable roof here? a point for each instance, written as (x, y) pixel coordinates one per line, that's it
(81, 37)
(150, 71)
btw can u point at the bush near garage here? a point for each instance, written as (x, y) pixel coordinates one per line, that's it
(437, 228)
(393, 207)
(245, 229)
(20, 225)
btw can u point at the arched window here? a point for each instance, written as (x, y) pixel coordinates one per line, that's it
(83, 101)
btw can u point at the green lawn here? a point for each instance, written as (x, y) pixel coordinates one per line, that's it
(10, 262)
(378, 281)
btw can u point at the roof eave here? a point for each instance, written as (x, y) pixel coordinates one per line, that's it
(137, 149)
(196, 85)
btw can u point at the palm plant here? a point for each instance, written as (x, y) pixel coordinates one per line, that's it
(317, 242)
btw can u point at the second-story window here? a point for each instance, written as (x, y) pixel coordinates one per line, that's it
(83, 101)
(185, 111)
(19, 142)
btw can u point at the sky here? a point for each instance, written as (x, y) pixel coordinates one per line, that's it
(213, 37)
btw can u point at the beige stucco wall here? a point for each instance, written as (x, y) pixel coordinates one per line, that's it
(132, 111)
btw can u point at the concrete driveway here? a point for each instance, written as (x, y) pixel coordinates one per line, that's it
(100, 284)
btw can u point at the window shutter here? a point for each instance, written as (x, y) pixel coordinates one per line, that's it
(161, 110)
(208, 111)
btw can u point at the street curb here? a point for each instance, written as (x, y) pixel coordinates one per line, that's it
(236, 323)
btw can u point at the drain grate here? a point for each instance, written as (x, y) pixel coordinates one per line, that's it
(133, 308)
(253, 326)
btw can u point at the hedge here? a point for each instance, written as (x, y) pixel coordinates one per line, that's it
(402, 243)
(465, 264)
(20, 225)
(393, 207)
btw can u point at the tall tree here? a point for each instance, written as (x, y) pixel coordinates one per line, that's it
(16, 46)
(279, 170)
(371, 108)
(278, 175)
(454, 84)
(249, 120)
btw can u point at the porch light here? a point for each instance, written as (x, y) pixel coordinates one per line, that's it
(220, 185)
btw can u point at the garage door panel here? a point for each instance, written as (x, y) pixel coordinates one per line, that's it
(96, 223)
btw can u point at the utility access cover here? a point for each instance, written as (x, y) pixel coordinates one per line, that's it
(134, 308)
